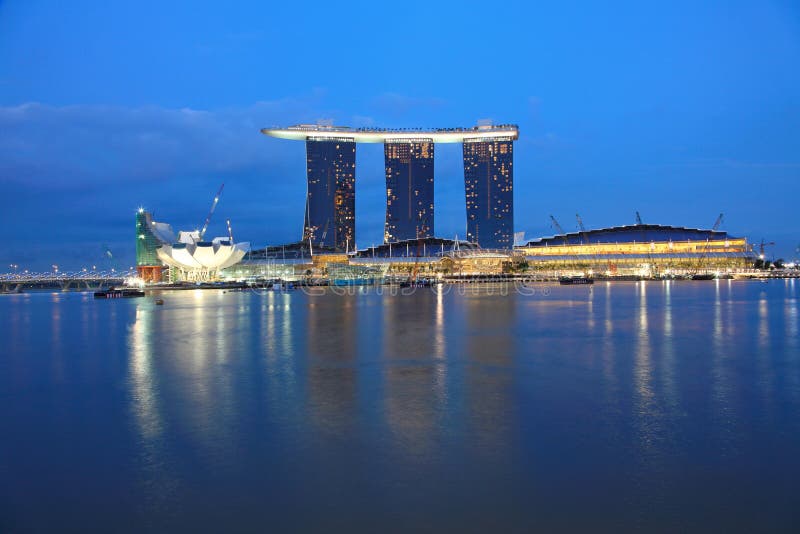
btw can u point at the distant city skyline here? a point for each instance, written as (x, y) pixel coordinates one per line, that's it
(678, 111)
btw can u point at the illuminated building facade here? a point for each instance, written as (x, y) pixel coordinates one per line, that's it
(640, 249)
(148, 239)
(489, 189)
(409, 189)
(331, 197)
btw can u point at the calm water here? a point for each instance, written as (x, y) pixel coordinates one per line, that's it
(656, 406)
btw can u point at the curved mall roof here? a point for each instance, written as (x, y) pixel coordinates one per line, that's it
(629, 234)
(302, 132)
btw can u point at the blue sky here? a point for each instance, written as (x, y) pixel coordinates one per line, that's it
(679, 110)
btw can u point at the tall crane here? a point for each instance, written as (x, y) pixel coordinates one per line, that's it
(761, 247)
(638, 219)
(585, 237)
(580, 222)
(230, 231)
(717, 223)
(556, 226)
(211, 212)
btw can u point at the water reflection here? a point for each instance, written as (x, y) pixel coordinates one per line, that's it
(490, 350)
(440, 343)
(413, 373)
(609, 352)
(764, 353)
(643, 368)
(647, 413)
(791, 338)
(143, 388)
(254, 407)
(763, 321)
(721, 379)
(668, 349)
(331, 382)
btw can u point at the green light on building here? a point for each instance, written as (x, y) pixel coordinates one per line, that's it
(146, 241)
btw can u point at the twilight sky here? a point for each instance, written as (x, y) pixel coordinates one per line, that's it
(680, 111)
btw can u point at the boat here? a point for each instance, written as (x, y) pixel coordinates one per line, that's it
(283, 286)
(124, 293)
(422, 282)
(575, 280)
(703, 277)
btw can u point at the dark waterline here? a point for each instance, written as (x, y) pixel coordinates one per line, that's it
(654, 406)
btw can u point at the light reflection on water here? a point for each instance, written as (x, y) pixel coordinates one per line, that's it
(626, 401)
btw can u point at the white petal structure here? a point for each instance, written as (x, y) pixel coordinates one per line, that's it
(206, 256)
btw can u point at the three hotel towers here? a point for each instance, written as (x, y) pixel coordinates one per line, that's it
(409, 158)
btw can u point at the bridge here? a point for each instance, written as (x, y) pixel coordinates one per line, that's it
(84, 280)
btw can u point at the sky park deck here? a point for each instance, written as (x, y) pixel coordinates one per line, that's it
(303, 132)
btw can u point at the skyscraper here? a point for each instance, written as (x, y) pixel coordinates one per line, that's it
(149, 236)
(331, 196)
(409, 189)
(489, 188)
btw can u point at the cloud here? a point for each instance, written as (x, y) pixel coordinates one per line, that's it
(92, 144)
(362, 121)
(399, 104)
(77, 173)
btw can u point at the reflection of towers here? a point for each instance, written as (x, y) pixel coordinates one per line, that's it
(414, 379)
(489, 187)
(489, 349)
(409, 189)
(332, 348)
(331, 197)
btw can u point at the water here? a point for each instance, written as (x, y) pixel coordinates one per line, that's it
(655, 406)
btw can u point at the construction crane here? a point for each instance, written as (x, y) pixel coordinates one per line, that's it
(108, 255)
(211, 212)
(717, 223)
(585, 237)
(556, 226)
(638, 219)
(580, 222)
(230, 231)
(761, 247)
